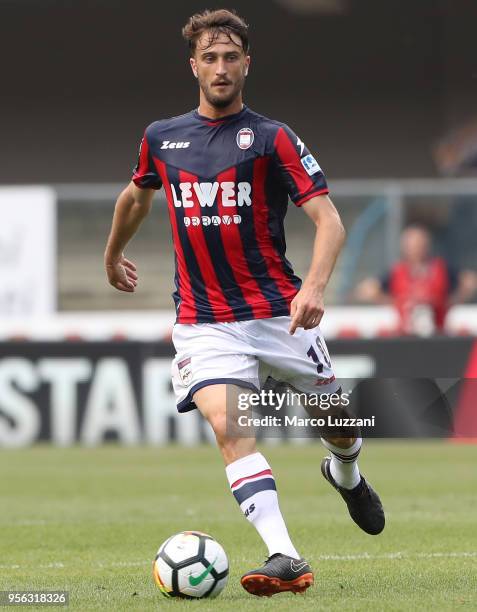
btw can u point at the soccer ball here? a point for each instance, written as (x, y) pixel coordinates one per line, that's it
(191, 565)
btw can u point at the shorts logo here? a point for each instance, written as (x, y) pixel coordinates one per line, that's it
(310, 164)
(320, 382)
(245, 138)
(185, 371)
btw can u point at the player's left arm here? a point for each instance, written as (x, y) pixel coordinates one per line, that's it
(307, 307)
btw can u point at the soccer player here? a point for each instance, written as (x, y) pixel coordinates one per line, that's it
(242, 314)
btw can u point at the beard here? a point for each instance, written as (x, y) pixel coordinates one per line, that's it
(224, 100)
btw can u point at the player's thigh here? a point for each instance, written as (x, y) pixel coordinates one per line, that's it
(210, 355)
(302, 360)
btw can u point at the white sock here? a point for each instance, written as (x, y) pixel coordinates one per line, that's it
(344, 463)
(253, 485)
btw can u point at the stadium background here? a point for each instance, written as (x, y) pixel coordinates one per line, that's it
(371, 87)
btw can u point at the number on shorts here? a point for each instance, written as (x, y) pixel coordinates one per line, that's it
(323, 351)
(313, 355)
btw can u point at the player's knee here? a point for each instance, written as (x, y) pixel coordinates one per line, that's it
(231, 445)
(218, 422)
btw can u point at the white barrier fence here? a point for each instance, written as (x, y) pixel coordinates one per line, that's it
(338, 321)
(27, 251)
(55, 294)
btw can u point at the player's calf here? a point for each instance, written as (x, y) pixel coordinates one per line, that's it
(253, 485)
(249, 474)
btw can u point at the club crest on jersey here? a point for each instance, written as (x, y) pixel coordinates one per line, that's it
(245, 138)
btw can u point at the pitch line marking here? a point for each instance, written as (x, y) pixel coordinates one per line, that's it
(355, 557)
(395, 555)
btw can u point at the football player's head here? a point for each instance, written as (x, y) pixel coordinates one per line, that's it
(218, 43)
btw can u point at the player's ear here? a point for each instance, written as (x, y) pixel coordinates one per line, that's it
(193, 65)
(247, 64)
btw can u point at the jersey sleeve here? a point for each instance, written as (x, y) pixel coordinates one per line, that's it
(301, 174)
(145, 174)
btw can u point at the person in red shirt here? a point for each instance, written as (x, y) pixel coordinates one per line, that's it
(422, 287)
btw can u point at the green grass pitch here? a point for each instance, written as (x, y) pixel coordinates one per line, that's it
(90, 521)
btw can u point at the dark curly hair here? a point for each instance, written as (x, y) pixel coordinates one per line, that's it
(221, 21)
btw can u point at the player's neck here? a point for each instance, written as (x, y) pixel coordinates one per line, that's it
(212, 112)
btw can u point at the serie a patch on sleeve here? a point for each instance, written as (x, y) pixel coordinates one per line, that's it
(310, 164)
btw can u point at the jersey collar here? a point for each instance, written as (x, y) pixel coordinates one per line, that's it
(222, 120)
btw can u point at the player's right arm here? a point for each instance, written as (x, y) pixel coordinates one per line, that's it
(133, 204)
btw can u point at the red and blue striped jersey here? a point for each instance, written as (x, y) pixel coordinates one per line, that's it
(227, 184)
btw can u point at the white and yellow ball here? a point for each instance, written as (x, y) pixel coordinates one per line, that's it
(191, 564)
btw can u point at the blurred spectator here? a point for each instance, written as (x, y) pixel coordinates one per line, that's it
(422, 287)
(456, 153)
(456, 156)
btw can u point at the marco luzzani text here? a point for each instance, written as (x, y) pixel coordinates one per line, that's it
(280, 401)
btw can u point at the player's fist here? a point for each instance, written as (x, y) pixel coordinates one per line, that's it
(121, 274)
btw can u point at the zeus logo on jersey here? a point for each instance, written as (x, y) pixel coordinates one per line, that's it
(231, 194)
(310, 164)
(167, 144)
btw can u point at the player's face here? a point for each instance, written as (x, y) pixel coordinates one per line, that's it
(220, 67)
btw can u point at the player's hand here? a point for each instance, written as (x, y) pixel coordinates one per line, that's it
(122, 274)
(307, 308)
